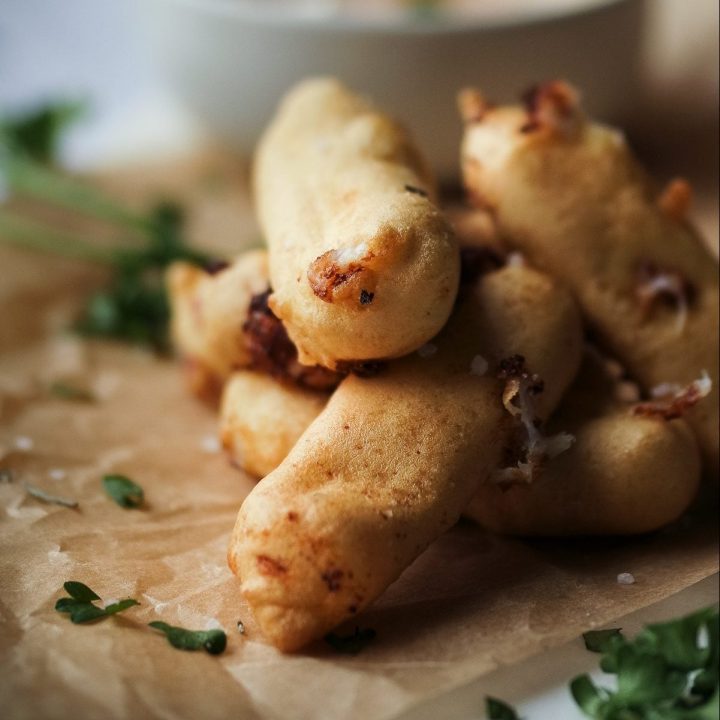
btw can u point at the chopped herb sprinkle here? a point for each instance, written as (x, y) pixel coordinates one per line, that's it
(212, 641)
(123, 491)
(81, 604)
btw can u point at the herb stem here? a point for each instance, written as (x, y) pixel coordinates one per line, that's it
(17, 230)
(40, 494)
(24, 176)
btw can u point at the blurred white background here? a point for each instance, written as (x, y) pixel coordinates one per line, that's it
(92, 49)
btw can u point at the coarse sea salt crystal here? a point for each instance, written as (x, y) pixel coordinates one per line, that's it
(516, 259)
(210, 444)
(56, 556)
(158, 605)
(427, 350)
(24, 443)
(479, 365)
(57, 474)
(625, 578)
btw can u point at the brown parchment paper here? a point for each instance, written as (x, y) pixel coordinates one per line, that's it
(472, 602)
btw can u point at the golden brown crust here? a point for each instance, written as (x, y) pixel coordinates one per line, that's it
(623, 475)
(579, 206)
(392, 460)
(207, 315)
(261, 418)
(363, 264)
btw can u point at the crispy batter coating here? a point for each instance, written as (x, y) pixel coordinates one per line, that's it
(208, 311)
(363, 264)
(623, 475)
(393, 460)
(261, 418)
(570, 195)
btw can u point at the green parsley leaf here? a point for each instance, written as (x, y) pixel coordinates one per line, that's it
(498, 710)
(134, 307)
(668, 672)
(71, 392)
(646, 678)
(80, 605)
(586, 695)
(599, 641)
(79, 611)
(677, 641)
(350, 644)
(80, 591)
(37, 133)
(123, 491)
(212, 641)
(119, 606)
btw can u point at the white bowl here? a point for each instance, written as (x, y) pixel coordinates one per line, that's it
(230, 61)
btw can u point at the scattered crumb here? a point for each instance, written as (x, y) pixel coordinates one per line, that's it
(387, 514)
(625, 578)
(24, 443)
(157, 605)
(210, 444)
(241, 627)
(56, 556)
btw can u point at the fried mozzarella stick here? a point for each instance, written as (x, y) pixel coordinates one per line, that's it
(393, 460)
(207, 315)
(569, 194)
(363, 265)
(261, 418)
(624, 474)
(221, 322)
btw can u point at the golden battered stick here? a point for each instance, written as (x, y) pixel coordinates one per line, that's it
(623, 475)
(569, 194)
(393, 460)
(261, 418)
(208, 312)
(363, 265)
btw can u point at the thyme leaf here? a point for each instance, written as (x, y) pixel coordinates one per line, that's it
(123, 491)
(80, 605)
(212, 641)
